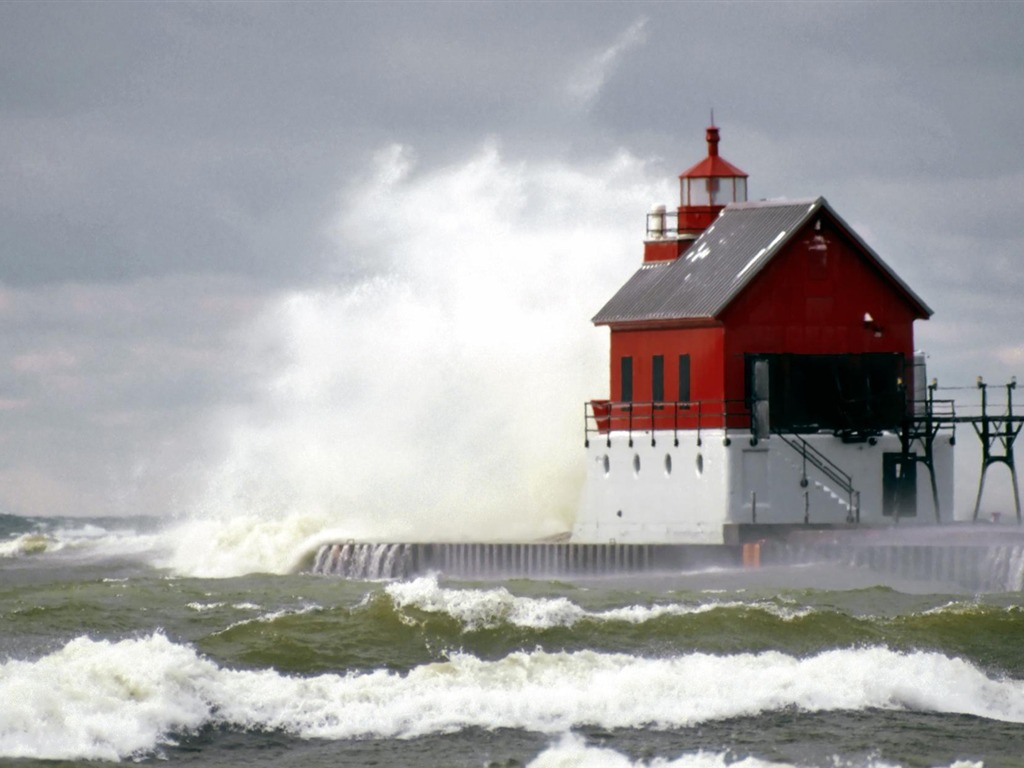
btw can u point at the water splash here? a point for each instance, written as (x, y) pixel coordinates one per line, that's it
(364, 561)
(437, 396)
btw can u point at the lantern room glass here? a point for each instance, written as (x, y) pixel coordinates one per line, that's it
(714, 190)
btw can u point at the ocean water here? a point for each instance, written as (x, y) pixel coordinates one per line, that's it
(109, 654)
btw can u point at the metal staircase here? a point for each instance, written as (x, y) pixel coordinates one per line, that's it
(811, 455)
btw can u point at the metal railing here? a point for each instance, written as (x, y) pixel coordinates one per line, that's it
(832, 471)
(602, 417)
(662, 225)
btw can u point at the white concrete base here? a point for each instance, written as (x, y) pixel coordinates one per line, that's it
(655, 491)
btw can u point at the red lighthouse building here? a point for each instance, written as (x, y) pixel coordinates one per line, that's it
(764, 398)
(773, 321)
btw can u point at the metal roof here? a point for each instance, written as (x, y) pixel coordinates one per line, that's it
(721, 262)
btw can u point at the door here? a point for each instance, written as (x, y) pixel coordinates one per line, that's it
(899, 485)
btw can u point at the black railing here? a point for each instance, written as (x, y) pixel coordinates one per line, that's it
(602, 417)
(832, 471)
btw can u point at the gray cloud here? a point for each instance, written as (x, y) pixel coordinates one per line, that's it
(167, 170)
(586, 83)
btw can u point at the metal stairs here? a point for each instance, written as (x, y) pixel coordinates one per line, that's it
(832, 471)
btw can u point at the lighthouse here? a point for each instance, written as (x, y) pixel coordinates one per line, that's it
(761, 374)
(764, 404)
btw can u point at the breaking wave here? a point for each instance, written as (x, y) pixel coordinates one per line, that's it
(571, 751)
(27, 537)
(488, 608)
(115, 700)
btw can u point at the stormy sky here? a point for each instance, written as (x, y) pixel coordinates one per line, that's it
(209, 212)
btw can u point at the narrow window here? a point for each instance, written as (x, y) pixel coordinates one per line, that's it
(684, 378)
(627, 379)
(658, 379)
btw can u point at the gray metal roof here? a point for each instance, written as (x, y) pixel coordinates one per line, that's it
(721, 262)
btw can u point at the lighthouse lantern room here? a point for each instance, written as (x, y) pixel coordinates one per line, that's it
(704, 190)
(762, 372)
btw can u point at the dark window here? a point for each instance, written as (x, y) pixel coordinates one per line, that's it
(684, 378)
(627, 379)
(848, 394)
(658, 379)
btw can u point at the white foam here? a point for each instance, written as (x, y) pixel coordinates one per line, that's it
(266, 618)
(571, 751)
(101, 700)
(110, 700)
(482, 608)
(83, 539)
(28, 544)
(395, 409)
(203, 607)
(234, 545)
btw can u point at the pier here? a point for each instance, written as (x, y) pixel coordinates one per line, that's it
(997, 432)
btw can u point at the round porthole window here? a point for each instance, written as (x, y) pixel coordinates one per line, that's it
(607, 465)
(636, 463)
(700, 464)
(668, 464)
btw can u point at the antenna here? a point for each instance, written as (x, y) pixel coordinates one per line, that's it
(712, 115)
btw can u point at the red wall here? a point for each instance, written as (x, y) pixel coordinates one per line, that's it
(803, 302)
(812, 303)
(703, 344)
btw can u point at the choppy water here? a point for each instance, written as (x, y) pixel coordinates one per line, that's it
(106, 656)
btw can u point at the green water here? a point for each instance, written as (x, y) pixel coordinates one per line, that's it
(689, 669)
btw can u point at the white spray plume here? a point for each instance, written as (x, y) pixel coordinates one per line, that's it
(441, 396)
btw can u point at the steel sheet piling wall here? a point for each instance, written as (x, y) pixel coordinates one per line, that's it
(541, 560)
(995, 567)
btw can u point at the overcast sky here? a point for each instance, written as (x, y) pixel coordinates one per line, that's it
(208, 210)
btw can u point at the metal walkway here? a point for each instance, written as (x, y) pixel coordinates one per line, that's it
(997, 432)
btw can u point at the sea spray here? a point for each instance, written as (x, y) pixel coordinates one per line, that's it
(436, 396)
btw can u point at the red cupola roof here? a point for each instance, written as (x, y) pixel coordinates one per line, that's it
(713, 164)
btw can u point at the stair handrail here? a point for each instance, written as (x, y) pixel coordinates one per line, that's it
(827, 467)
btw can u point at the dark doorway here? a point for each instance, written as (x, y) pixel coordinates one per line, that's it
(899, 485)
(847, 394)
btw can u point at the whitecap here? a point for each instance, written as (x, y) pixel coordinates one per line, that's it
(114, 700)
(488, 608)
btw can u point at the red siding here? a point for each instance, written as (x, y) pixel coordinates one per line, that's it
(805, 301)
(813, 302)
(704, 345)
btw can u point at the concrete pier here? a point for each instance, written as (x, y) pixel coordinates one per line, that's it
(526, 560)
(977, 558)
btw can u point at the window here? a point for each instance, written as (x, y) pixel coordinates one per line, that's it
(626, 364)
(684, 378)
(713, 190)
(658, 379)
